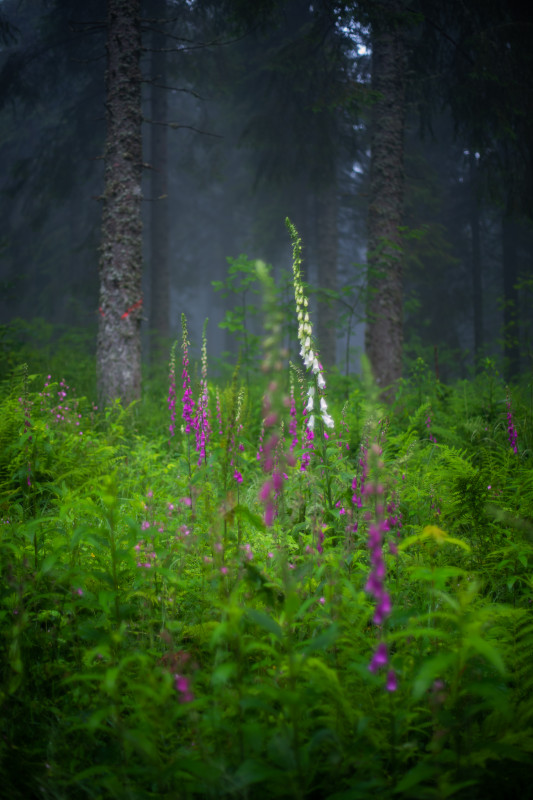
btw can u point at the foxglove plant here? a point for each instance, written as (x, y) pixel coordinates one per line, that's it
(375, 585)
(305, 333)
(394, 522)
(358, 483)
(308, 425)
(235, 431)
(273, 483)
(219, 413)
(272, 454)
(172, 391)
(308, 445)
(188, 402)
(315, 392)
(511, 430)
(293, 425)
(259, 454)
(201, 420)
(432, 439)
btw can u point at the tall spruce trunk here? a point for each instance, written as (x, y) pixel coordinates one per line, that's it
(384, 326)
(159, 266)
(327, 248)
(477, 288)
(511, 350)
(119, 340)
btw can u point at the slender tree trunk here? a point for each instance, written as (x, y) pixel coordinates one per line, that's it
(119, 341)
(159, 266)
(384, 327)
(511, 350)
(327, 249)
(477, 288)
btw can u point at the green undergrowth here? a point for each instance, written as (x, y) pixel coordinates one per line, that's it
(159, 640)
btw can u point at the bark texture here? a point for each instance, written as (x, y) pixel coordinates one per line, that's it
(511, 349)
(477, 287)
(327, 251)
(119, 341)
(159, 265)
(384, 328)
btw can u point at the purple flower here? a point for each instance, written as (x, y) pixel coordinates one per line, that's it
(308, 446)
(392, 681)
(380, 658)
(201, 422)
(188, 402)
(182, 685)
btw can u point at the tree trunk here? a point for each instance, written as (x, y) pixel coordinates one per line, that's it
(477, 289)
(119, 341)
(159, 266)
(327, 247)
(511, 351)
(384, 328)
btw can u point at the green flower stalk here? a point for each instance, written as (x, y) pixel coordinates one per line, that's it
(188, 402)
(201, 420)
(172, 391)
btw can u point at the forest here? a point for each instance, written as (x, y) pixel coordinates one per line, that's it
(266, 399)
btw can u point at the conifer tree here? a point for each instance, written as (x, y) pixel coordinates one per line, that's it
(119, 341)
(159, 233)
(384, 328)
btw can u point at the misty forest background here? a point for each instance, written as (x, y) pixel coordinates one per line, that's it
(263, 111)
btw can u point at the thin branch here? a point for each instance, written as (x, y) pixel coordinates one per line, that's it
(172, 88)
(84, 29)
(194, 45)
(170, 35)
(176, 126)
(159, 20)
